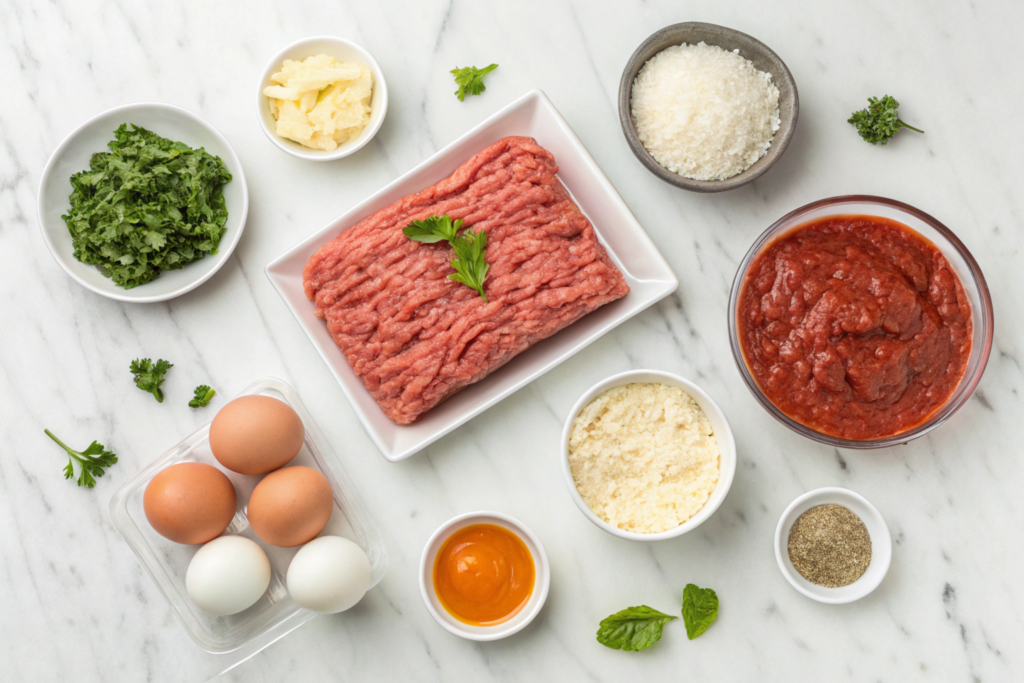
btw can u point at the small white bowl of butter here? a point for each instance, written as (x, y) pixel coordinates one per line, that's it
(345, 52)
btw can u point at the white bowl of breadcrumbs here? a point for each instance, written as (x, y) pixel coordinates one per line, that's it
(647, 455)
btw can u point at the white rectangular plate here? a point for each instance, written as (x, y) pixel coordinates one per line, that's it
(649, 277)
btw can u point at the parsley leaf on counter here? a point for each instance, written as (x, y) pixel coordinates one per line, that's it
(92, 461)
(471, 80)
(633, 629)
(203, 395)
(470, 267)
(700, 608)
(149, 204)
(149, 376)
(433, 229)
(879, 121)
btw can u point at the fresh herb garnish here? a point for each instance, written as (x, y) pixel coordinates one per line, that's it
(633, 629)
(879, 121)
(470, 267)
(149, 376)
(469, 264)
(433, 229)
(700, 608)
(149, 204)
(471, 80)
(203, 395)
(92, 461)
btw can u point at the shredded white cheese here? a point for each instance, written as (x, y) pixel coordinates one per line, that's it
(644, 457)
(703, 112)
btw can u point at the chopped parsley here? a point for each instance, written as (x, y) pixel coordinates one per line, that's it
(147, 205)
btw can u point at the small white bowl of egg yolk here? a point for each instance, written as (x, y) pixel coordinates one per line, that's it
(484, 576)
(305, 112)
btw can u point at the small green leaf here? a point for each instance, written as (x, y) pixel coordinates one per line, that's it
(470, 80)
(700, 609)
(203, 394)
(433, 229)
(633, 629)
(470, 267)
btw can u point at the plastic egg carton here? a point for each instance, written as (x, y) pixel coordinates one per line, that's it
(275, 614)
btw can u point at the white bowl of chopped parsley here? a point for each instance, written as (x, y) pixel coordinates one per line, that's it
(143, 202)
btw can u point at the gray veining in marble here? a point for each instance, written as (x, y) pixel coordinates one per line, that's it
(75, 604)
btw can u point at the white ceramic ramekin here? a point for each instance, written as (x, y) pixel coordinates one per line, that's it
(881, 545)
(344, 51)
(541, 584)
(720, 426)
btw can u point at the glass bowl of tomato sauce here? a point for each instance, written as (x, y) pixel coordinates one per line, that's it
(860, 322)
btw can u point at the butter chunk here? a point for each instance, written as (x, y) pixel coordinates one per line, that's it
(320, 102)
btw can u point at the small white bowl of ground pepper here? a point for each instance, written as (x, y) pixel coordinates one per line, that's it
(833, 546)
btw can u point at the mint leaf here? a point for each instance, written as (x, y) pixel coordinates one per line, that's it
(700, 608)
(633, 629)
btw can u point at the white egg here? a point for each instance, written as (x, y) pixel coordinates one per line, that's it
(329, 574)
(227, 575)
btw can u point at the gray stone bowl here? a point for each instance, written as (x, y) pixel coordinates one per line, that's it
(726, 38)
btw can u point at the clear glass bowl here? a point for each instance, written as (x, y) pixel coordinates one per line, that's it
(951, 247)
(275, 614)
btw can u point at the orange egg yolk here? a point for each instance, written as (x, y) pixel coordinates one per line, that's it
(483, 574)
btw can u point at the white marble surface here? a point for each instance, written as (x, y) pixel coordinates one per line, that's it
(76, 605)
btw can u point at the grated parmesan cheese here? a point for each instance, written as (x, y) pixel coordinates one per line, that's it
(644, 457)
(703, 112)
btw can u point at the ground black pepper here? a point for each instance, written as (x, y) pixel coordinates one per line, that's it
(830, 546)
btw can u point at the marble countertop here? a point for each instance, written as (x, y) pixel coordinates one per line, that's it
(77, 605)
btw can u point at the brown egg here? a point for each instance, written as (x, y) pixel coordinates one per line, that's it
(190, 502)
(290, 506)
(256, 434)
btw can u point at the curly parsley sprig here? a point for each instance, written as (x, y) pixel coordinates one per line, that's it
(880, 120)
(469, 264)
(92, 461)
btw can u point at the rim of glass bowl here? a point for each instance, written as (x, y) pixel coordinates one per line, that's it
(981, 318)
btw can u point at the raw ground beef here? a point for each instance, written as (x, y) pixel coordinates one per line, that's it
(414, 336)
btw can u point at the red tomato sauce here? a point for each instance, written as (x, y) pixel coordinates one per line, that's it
(855, 326)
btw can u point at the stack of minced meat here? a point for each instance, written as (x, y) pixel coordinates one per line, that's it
(414, 335)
